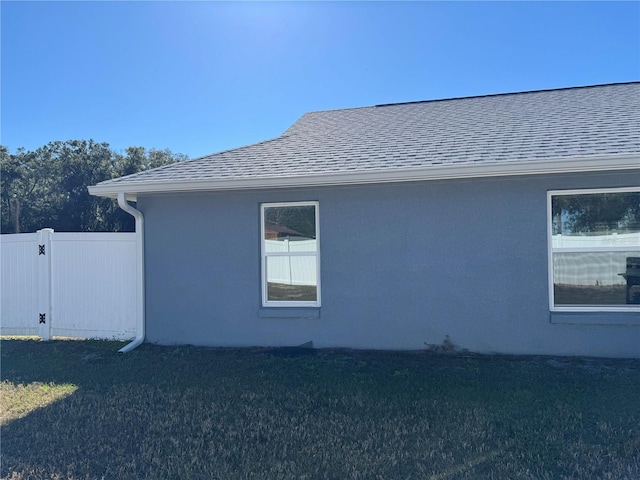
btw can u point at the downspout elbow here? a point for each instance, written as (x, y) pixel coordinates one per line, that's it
(140, 297)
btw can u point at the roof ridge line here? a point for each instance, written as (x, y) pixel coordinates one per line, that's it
(579, 87)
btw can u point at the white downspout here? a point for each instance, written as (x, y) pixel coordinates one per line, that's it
(140, 321)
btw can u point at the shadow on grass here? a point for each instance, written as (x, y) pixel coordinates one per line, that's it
(188, 412)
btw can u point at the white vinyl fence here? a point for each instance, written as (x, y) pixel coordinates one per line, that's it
(68, 284)
(296, 269)
(595, 241)
(593, 259)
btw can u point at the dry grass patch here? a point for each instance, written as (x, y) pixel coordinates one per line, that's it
(17, 401)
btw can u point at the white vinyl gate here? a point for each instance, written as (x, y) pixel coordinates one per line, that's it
(68, 284)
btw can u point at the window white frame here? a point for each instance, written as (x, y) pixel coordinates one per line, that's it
(265, 255)
(551, 251)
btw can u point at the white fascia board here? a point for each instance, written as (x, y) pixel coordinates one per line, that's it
(431, 172)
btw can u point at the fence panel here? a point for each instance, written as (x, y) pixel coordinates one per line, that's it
(295, 269)
(91, 279)
(19, 277)
(93, 285)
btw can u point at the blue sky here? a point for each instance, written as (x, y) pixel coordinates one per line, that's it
(200, 77)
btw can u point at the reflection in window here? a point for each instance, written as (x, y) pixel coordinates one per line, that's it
(595, 237)
(292, 278)
(290, 254)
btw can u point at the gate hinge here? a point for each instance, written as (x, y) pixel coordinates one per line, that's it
(43, 318)
(41, 250)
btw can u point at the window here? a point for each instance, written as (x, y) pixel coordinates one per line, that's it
(290, 254)
(594, 249)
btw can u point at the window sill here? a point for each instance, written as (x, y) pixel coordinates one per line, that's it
(595, 318)
(289, 312)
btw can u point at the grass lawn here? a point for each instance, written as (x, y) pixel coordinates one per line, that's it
(298, 293)
(590, 294)
(78, 410)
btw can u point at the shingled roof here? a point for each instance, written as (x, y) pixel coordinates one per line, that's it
(547, 131)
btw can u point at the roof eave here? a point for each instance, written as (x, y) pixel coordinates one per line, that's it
(591, 163)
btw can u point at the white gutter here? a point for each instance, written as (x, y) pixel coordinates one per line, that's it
(140, 298)
(591, 163)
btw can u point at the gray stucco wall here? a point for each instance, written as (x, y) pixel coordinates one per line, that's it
(402, 266)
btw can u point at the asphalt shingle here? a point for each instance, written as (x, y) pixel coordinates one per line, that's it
(531, 126)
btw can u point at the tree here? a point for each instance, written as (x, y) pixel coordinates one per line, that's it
(20, 190)
(48, 187)
(298, 220)
(137, 159)
(591, 213)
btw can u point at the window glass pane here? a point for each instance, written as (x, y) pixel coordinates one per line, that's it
(292, 278)
(596, 214)
(596, 278)
(290, 228)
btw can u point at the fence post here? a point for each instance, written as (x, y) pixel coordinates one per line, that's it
(44, 282)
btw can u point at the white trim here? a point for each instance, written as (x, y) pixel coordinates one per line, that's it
(550, 251)
(592, 163)
(263, 256)
(549, 221)
(628, 248)
(588, 191)
(597, 308)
